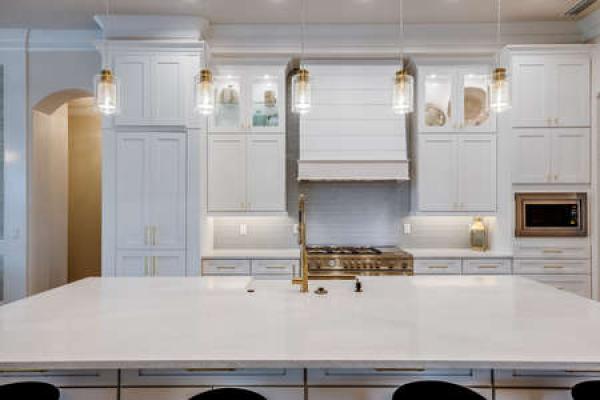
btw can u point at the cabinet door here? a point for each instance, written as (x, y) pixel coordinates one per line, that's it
(134, 75)
(532, 152)
(133, 162)
(266, 173)
(133, 264)
(571, 155)
(166, 264)
(531, 93)
(437, 104)
(229, 104)
(266, 105)
(571, 91)
(226, 172)
(88, 394)
(477, 173)
(167, 190)
(475, 115)
(168, 89)
(437, 173)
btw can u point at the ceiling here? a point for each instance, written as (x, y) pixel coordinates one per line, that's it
(77, 14)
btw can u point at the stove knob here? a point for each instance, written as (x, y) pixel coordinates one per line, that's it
(331, 263)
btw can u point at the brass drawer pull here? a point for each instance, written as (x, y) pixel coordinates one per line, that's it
(225, 267)
(437, 266)
(551, 266)
(487, 266)
(400, 369)
(276, 266)
(211, 369)
(552, 251)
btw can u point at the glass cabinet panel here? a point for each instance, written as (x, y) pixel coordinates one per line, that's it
(475, 96)
(438, 100)
(228, 103)
(265, 102)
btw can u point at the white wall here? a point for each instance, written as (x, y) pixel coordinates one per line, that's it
(48, 213)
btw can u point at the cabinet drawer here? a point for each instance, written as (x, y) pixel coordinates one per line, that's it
(438, 266)
(544, 378)
(558, 248)
(226, 267)
(88, 394)
(366, 393)
(577, 284)
(96, 378)
(212, 377)
(395, 376)
(274, 267)
(495, 266)
(533, 394)
(185, 393)
(552, 267)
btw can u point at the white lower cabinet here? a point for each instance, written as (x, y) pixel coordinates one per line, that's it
(88, 394)
(367, 393)
(490, 266)
(226, 267)
(533, 394)
(139, 263)
(259, 268)
(185, 393)
(438, 266)
(68, 378)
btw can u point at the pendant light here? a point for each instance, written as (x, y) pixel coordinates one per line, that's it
(301, 87)
(204, 98)
(106, 84)
(403, 95)
(499, 84)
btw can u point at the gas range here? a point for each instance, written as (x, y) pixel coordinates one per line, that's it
(348, 260)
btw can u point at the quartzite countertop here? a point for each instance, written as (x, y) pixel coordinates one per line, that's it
(421, 321)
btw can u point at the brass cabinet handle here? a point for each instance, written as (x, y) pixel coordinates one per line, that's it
(211, 369)
(437, 266)
(552, 266)
(154, 266)
(552, 251)
(487, 266)
(225, 267)
(276, 266)
(399, 369)
(154, 235)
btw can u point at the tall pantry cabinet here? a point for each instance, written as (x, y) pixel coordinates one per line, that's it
(151, 148)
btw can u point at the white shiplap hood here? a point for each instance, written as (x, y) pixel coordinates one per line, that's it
(351, 133)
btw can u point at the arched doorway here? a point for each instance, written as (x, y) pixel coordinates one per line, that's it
(64, 191)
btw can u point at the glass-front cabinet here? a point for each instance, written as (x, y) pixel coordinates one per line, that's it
(249, 99)
(454, 99)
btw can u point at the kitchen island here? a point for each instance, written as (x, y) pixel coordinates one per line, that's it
(195, 332)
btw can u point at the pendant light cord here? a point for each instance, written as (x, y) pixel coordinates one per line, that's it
(401, 32)
(498, 30)
(302, 31)
(107, 12)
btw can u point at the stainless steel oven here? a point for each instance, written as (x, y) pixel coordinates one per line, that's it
(551, 214)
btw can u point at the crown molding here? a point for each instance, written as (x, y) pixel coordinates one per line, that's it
(62, 40)
(152, 27)
(13, 39)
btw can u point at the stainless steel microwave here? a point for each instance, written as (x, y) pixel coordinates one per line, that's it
(551, 214)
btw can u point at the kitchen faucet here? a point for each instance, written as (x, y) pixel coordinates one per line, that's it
(303, 280)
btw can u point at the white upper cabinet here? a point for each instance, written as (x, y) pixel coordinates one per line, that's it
(454, 99)
(561, 155)
(246, 173)
(155, 88)
(456, 173)
(249, 99)
(551, 91)
(151, 191)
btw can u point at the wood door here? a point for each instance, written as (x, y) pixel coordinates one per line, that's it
(437, 173)
(168, 89)
(571, 83)
(571, 155)
(167, 190)
(531, 92)
(477, 173)
(132, 175)
(532, 153)
(134, 73)
(266, 173)
(226, 173)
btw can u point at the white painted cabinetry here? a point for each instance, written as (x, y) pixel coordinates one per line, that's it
(551, 90)
(551, 155)
(155, 87)
(151, 203)
(246, 173)
(456, 173)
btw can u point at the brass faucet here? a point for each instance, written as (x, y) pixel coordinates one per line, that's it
(303, 280)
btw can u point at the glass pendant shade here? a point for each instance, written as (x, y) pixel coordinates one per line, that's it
(499, 91)
(301, 92)
(404, 93)
(204, 99)
(107, 92)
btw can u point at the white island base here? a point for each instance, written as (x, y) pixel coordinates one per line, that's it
(171, 338)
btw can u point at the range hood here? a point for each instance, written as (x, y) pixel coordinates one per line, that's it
(351, 133)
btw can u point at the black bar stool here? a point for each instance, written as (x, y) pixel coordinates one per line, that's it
(435, 390)
(586, 390)
(228, 394)
(29, 390)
